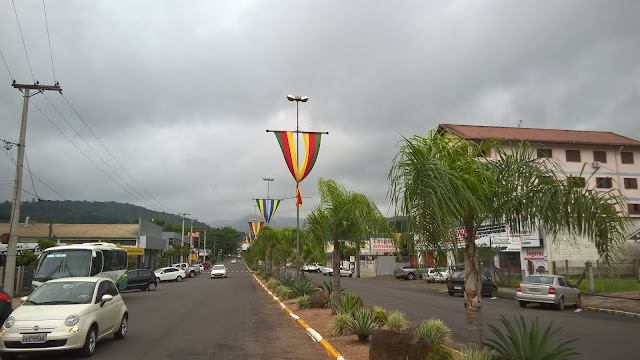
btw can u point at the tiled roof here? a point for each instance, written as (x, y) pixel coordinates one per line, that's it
(473, 132)
(79, 231)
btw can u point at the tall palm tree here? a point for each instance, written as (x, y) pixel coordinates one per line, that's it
(442, 184)
(342, 215)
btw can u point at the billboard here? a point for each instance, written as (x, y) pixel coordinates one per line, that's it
(382, 245)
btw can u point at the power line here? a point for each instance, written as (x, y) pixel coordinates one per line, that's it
(114, 158)
(53, 69)
(31, 175)
(5, 64)
(34, 175)
(23, 43)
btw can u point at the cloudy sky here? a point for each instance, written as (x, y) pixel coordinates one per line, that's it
(181, 92)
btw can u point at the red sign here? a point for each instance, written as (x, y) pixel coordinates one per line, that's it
(194, 234)
(382, 245)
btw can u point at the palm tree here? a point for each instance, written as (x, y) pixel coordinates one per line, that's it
(342, 215)
(442, 184)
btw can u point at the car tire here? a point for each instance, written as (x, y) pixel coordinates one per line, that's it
(152, 286)
(192, 274)
(179, 278)
(560, 305)
(578, 302)
(123, 329)
(350, 275)
(410, 276)
(90, 342)
(451, 293)
(494, 292)
(523, 304)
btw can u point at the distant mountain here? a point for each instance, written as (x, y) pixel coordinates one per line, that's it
(86, 212)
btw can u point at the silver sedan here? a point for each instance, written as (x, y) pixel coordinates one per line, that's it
(548, 289)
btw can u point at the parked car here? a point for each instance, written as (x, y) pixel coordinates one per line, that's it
(218, 271)
(436, 275)
(201, 267)
(170, 274)
(456, 285)
(93, 310)
(6, 305)
(234, 261)
(343, 272)
(548, 289)
(190, 270)
(311, 267)
(406, 272)
(142, 279)
(325, 270)
(287, 264)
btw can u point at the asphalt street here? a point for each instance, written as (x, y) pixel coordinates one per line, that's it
(600, 335)
(204, 318)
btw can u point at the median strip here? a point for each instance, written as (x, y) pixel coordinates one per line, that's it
(615, 312)
(311, 332)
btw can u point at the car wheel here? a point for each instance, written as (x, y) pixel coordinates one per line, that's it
(152, 286)
(494, 292)
(90, 342)
(192, 274)
(561, 304)
(451, 293)
(411, 276)
(523, 304)
(179, 278)
(350, 275)
(124, 327)
(578, 302)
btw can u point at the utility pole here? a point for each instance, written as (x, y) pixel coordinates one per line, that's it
(182, 236)
(10, 271)
(204, 250)
(190, 242)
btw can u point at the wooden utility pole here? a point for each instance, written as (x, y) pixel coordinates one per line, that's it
(10, 271)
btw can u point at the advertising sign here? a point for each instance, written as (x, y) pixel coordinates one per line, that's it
(382, 245)
(535, 261)
(194, 234)
(134, 250)
(506, 243)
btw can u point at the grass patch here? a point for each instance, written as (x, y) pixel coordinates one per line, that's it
(603, 285)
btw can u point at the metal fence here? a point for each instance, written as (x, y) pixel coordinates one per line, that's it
(24, 277)
(622, 276)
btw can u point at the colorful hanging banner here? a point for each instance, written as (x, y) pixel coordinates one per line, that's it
(312, 148)
(298, 195)
(255, 227)
(267, 208)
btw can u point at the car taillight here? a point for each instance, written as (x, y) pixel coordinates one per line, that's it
(518, 288)
(5, 297)
(552, 290)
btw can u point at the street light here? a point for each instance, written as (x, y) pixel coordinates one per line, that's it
(297, 99)
(267, 180)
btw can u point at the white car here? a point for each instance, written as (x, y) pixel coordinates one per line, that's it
(311, 268)
(218, 271)
(326, 270)
(65, 314)
(343, 272)
(233, 261)
(436, 275)
(170, 274)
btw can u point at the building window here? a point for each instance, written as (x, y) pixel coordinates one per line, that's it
(604, 183)
(544, 153)
(573, 155)
(600, 156)
(576, 181)
(633, 209)
(626, 157)
(630, 183)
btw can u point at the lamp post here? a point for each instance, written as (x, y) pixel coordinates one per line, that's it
(267, 180)
(297, 99)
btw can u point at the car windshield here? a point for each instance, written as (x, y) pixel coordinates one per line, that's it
(218, 267)
(547, 280)
(458, 275)
(64, 292)
(59, 264)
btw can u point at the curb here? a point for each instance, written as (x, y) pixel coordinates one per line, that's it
(615, 312)
(312, 333)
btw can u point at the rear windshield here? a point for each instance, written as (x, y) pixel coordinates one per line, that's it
(218, 267)
(547, 280)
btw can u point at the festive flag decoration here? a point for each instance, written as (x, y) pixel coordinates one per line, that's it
(267, 208)
(298, 195)
(312, 148)
(255, 227)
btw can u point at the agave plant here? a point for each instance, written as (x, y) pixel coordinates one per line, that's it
(527, 343)
(435, 331)
(380, 314)
(287, 279)
(363, 324)
(396, 321)
(349, 303)
(340, 324)
(303, 286)
(283, 292)
(328, 285)
(303, 302)
(476, 354)
(273, 283)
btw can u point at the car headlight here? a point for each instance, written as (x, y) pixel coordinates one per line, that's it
(9, 322)
(71, 320)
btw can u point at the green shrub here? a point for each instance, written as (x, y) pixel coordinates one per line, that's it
(476, 354)
(439, 353)
(363, 324)
(349, 303)
(396, 321)
(380, 314)
(267, 274)
(303, 286)
(273, 283)
(435, 331)
(287, 279)
(340, 324)
(328, 285)
(525, 342)
(303, 302)
(283, 292)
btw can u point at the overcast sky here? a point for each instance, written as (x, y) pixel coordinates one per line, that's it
(181, 92)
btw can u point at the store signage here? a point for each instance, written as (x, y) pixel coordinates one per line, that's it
(382, 245)
(530, 242)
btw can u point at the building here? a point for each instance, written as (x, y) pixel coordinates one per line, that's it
(612, 159)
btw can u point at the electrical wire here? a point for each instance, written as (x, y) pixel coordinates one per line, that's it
(23, 42)
(46, 20)
(31, 175)
(114, 158)
(5, 64)
(34, 175)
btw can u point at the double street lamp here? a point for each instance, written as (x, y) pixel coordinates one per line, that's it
(267, 180)
(297, 99)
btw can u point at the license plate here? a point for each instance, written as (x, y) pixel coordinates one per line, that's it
(34, 338)
(534, 291)
(457, 287)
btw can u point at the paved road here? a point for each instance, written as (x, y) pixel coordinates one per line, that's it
(204, 318)
(601, 336)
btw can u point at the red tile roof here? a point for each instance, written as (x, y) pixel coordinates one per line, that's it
(473, 132)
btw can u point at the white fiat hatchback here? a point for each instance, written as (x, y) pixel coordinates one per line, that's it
(65, 314)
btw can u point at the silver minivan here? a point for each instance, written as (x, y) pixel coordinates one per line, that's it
(548, 289)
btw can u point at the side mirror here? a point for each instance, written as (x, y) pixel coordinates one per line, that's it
(24, 298)
(105, 298)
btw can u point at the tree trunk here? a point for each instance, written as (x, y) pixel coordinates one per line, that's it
(357, 269)
(472, 291)
(336, 275)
